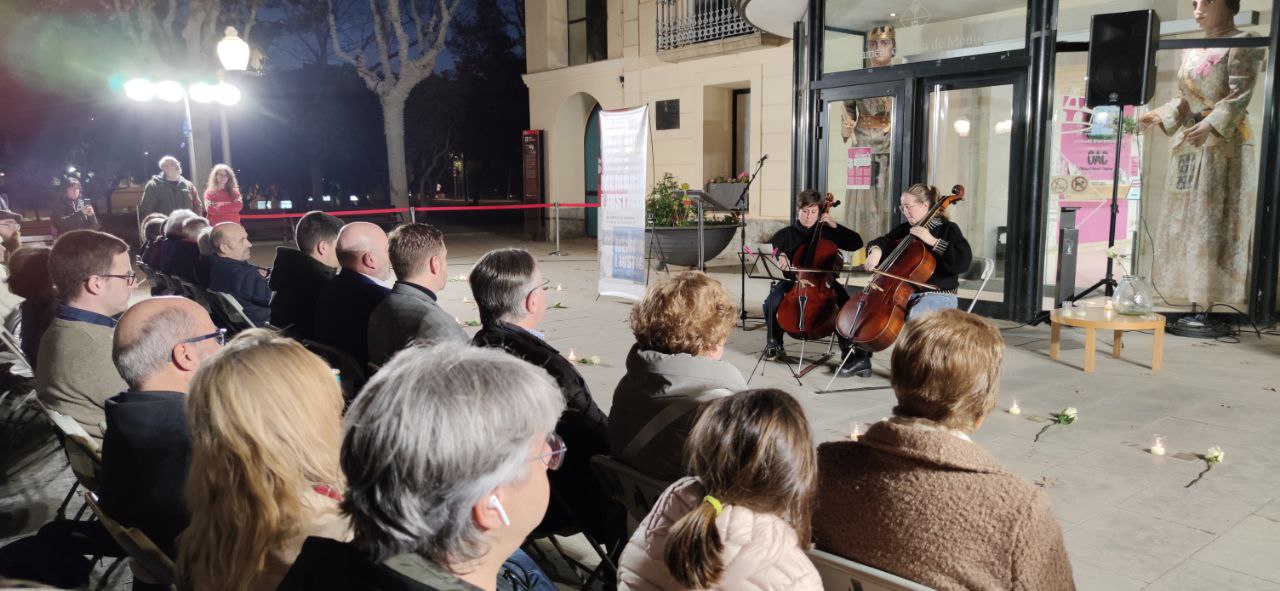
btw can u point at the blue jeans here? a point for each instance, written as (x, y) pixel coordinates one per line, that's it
(520, 573)
(924, 303)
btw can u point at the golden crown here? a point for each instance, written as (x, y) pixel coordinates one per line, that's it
(881, 33)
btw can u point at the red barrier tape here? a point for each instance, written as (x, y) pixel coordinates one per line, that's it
(356, 212)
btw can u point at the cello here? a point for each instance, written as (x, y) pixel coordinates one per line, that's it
(873, 319)
(808, 310)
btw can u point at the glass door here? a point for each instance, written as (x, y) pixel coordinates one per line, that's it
(968, 135)
(861, 137)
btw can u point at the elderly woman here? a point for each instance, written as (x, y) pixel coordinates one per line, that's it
(680, 328)
(510, 292)
(917, 497)
(446, 454)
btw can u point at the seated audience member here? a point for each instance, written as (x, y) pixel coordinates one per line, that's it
(230, 272)
(509, 290)
(915, 496)
(75, 375)
(10, 242)
(680, 328)
(446, 454)
(159, 344)
(29, 279)
(181, 251)
(204, 244)
(149, 233)
(741, 520)
(266, 425)
(410, 312)
(349, 299)
(298, 274)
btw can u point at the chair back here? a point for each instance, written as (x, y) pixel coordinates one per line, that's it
(841, 573)
(980, 269)
(83, 453)
(197, 293)
(350, 375)
(634, 490)
(231, 310)
(10, 342)
(147, 561)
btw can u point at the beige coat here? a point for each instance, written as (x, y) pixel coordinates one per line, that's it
(761, 551)
(929, 506)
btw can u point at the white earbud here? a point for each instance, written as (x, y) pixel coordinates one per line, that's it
(497, 506)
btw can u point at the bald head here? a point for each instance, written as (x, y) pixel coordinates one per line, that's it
(148, 347)
(230, 240)
(362, 247)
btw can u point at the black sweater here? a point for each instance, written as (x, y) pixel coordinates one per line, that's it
(788, 239)
(952, 251)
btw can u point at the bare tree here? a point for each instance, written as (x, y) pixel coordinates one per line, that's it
(392, 72)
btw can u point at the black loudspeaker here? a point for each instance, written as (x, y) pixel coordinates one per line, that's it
(1122, 58)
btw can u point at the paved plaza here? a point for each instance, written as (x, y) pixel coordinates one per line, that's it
(1129, 520)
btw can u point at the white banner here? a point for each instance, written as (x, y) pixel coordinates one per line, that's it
(624, 154)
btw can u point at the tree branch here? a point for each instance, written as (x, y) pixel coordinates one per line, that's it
(253, 16)
(387, 74)
(370, 79)
(402, 40)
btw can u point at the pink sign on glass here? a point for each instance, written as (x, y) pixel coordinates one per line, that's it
(858, 168)
(1087, 143)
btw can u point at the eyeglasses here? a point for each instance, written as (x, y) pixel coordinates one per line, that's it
(554, 458)
(904, 207)
(129, 278)
(544, 286)
(219, 335)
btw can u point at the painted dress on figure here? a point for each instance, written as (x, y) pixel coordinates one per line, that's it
(1203, 239)
(868, 123)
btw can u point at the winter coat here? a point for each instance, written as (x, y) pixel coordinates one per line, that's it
(343, 310)
(761, 550)
(243, 282)
(655, 381)
(160, 195)
(926, 505)
(68, 216)
(224, 206)
(296, 280)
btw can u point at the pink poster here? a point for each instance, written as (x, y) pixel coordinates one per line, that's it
(858, 168)
(1088, 142)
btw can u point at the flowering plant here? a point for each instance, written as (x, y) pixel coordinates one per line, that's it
(741, 177)
(1211, 456)
(1118, 258)
(667, 209)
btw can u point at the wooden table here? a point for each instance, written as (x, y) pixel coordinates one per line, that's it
(1093, 318)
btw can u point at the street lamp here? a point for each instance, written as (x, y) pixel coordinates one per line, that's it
(233, 52)
(144, 90)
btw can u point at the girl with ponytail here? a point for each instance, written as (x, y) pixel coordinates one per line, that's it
(741, 519)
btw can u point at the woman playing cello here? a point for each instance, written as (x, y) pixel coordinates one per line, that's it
(809, 218)
(945, 241)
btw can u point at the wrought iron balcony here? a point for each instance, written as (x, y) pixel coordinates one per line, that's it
(689, 22)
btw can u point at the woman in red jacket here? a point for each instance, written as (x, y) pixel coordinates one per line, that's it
(222, 196)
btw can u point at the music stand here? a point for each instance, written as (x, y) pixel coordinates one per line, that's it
(705, 203)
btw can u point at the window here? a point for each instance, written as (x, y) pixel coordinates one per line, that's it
(588, 41)
(667, 114)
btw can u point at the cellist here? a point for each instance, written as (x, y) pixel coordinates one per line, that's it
(945, 241)
(785, 242)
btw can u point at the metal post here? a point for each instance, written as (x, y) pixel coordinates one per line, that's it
(557, 252)
(190, 137)
(702, 261)
(226, 136)
(413, 217)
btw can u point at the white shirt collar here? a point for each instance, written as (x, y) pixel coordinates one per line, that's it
(386, 284)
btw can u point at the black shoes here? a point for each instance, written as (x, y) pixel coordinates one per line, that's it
(772, 351)
(858, 364)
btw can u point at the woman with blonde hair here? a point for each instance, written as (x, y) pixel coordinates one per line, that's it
(222, 195)
(680, 327)
(742, 518)
(266, 427)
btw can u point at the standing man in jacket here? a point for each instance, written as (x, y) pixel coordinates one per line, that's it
(230, 272)
(168, 191)
(410, 312)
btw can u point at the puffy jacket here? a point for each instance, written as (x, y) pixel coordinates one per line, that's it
(761, 550)
(242, 281)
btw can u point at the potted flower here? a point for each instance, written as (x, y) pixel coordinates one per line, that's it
(673, 221)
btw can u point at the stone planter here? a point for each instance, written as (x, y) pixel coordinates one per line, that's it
(679, 246)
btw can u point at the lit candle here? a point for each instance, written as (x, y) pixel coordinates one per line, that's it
(572, 356)
(1157, 448)
(855, 431)
(466, 300)
(1108, 306)
(559, 287)
(1015, 409)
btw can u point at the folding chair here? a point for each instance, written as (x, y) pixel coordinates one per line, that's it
(196, 293)
(608, 563)
(980, 269)
(83, 453)
(147, 561)
(350, 375)
(231, 310)
(841, 573)
(634, 490)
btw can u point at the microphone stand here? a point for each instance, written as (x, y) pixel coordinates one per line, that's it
(740, 208)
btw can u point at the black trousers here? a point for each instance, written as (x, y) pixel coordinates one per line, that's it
(771, 312)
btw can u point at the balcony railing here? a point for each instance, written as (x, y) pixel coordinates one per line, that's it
(688, 22)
